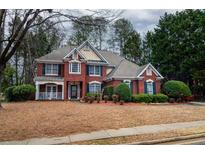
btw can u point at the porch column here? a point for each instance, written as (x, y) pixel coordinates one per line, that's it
(65, 87)
(62, 91)
(37, 91)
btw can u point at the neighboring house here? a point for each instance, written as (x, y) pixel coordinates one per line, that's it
(70, 72)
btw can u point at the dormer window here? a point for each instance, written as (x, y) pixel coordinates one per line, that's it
(74, 68)
(149, 71)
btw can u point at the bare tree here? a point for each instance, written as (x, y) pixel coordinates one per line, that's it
(10, 42)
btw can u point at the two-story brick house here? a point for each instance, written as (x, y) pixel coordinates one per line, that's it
(70, 72)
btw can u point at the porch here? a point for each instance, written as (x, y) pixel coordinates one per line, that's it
(49, 90)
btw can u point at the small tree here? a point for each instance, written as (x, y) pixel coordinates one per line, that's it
(123, 91)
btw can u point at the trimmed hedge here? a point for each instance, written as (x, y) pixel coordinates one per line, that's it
(147, 98)
(176, 89)
(123, 91)
(92, 94)
(20, 92)
(109, 90)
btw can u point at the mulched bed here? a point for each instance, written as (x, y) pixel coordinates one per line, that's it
(57, 118)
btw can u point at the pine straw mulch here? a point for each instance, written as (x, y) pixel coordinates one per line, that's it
(42, 119)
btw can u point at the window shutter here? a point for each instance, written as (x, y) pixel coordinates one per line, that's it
(59, 69)
(145, 87)
(154, 87)
(87, 69)
(101, 70)
(131, 86)
(44, 68)
(87, 88)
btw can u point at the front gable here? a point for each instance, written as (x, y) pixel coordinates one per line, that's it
(88, 53)
(150, 71)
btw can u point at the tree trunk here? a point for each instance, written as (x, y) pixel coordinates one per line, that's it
(2, 67)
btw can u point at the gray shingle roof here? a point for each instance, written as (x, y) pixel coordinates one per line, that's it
(123, 68)
(112, 58)
(48, 78)
(126, 69)
(57, 55)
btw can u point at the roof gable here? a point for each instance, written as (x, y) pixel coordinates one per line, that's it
(88, 52)
(153, 69)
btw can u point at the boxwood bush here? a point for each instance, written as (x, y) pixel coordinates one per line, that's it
(20, 92)
(176, 89)
(142, 98)
(159, 98)
(147, 98)
(109, 90)
(123, 91)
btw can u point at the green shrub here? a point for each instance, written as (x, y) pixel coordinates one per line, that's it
(159, 98)
(123, 91)
(147, 98)
(109, 90)
(92, 94)
(20, 93)
(142, 98)
(9, 94)
(176, 89)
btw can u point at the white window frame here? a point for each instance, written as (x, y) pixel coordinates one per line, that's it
(149, 71)
(94, 66)
(95, 87)
(150, 88)
(70, 68)
(52, 66)
(127, 82)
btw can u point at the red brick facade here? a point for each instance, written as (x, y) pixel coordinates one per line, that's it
(138, 85)
(83, 80)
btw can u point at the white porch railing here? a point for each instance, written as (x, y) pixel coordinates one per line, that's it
(50, 95)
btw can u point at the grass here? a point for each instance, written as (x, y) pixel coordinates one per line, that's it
(42, 119)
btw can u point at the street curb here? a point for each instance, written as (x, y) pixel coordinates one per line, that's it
(168, 139)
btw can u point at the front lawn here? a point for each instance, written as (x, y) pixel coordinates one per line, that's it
(39, 119)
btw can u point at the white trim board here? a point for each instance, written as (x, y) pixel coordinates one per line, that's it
(154, 70)
(81, 46)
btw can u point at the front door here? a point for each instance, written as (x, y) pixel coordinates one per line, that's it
(74, 91)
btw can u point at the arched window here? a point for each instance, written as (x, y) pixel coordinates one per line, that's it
(149, 85)
(95, 87)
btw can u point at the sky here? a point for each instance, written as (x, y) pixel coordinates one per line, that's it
(144, 20)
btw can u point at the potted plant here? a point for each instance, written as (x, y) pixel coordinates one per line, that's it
(98, 98)
(91, 99)
(115, 98)
(106, 97)
(122, 102)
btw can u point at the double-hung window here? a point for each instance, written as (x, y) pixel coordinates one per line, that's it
(51, 69)
(94, 87)
(74, 68)
(94, 70)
